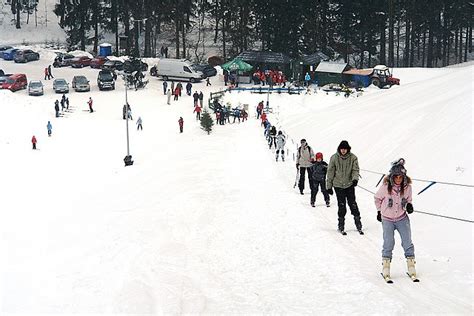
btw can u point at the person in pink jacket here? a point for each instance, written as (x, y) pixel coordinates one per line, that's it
(393, 201)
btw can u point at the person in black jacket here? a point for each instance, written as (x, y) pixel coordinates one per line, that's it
(318, 178)
(272, 137)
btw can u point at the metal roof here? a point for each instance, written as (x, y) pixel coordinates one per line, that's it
(264, 57)
(331, 67)
(314, 59)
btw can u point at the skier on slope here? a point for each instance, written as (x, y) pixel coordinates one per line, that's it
(49, 127)
(343, 175)
(303, 162)
(318, 179)
(272, 138)
(280, 145)
(393, 202)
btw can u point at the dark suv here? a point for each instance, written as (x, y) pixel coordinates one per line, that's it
(105, 80)
(25, 55)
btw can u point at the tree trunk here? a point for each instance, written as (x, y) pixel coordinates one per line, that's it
(390, 35)
(470, 37)
(96, 30)
(177, 27)
(126, 23)
(137, 39)
(382, 57)
(429, 57)
(217, 16)
(424, 50)
(18, 9)
(412, 46)
(406, 54)
(148, 26)
(114, 18)
(398, 40)
(465, 46)
(460, 45)
(183, 37)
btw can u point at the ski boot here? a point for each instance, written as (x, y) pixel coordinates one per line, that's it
(327, 204)
(386, 270)
(411, 267)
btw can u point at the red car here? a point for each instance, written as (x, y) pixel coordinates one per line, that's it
(79, 62)
(98, 61)
(15, 82)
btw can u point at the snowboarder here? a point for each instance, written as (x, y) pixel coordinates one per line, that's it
(343, 175)
(50, 128)
(139, 123)
(201, 98)
(280, 145)
(34, 141)
(197, 110)
(56, 107)
(303, 162)
(318, 179)
(208, 83)
(90, 105)
(168, 95)
(165, 85)
(181, 123)
(393, 201)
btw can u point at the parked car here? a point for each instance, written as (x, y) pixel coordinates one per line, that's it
(60, 86)
(35, 87)
(105, 80)
(178, 69)
(98, 61)
(25, 55)
(15, 82)
(2, 73)
(4, 48)
(206, 69)
(113, 65)
(3, 78)
(9, 54)
(80, 84)
(63, 60)
(80, 62)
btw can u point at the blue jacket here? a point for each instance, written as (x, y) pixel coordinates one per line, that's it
(307, 77)
(49, 126)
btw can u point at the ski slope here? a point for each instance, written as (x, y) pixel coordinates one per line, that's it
(211, 224)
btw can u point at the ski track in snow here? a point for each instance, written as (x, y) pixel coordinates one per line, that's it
(201, 223)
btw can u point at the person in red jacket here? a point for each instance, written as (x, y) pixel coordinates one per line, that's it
(180, 122)
(34, 141)
(90, 105)
(176, 93)
(263, 117)
(46, 73)
(197, 110)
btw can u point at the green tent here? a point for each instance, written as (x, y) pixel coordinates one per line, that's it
(237, 64)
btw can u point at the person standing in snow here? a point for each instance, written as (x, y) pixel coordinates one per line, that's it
(50, 74)
(307, 79)
(189, 87)
(201, 98)
(343, 175)
(393, 202)
(168, 96)
(89, 103)
(208, 82)
(46, 73)
(197, 110)
(165, 85)
(272, 138)
(280, 145)
(56, 107)
(176, 94)
(33, 141)
(195, 98)
(139, 123)
(259, 109)
(179, 86)
(318, 179)
(181, 123)
(67, 103)
(50, 128)
(172, 86)
(303, 162)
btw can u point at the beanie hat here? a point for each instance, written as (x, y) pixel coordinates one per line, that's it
(319, 156)
(398, 169)
(344, 145)
(303, 140)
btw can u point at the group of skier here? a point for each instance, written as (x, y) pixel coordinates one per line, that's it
(393, 200)
(223, 113)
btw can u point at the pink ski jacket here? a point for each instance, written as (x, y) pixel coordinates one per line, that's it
(382, 202)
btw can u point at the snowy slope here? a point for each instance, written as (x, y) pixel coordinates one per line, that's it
(211, 224)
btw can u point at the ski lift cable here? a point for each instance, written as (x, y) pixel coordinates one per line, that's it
(424, 180)
(428, 213)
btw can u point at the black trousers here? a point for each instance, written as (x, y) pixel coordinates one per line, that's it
(301, 182)
(347, 196)
(314, 190)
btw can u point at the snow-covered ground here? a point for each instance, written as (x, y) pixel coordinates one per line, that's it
(211, 224)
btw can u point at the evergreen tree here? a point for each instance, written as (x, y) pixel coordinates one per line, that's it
(206, 122)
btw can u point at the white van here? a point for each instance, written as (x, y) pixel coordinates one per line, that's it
(179, 69)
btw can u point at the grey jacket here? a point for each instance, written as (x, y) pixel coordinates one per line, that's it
(305, 156)
(342, 170)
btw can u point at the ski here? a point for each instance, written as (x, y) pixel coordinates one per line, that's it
(413, 278)
(387, 279)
